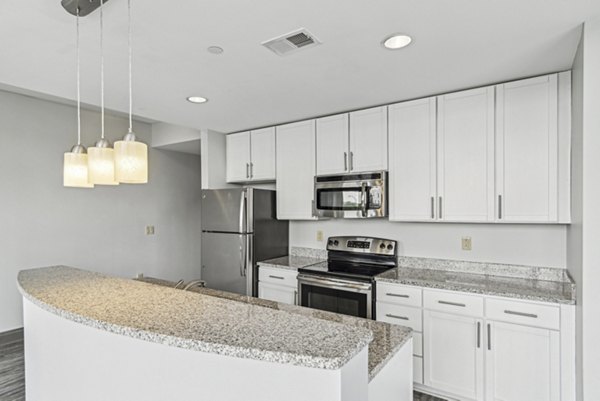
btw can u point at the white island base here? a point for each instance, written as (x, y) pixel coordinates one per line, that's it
(69, 361)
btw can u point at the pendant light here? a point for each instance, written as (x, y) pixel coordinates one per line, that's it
(131, 156)
(75, 164)
(101, 157)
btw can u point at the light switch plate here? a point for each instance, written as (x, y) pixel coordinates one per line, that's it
(319, 235)
(149, 230)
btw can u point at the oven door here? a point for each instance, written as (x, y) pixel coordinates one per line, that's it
(347, 297)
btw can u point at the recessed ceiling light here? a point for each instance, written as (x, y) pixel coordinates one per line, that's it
(197, 99)
(215, 50)
(396, 41)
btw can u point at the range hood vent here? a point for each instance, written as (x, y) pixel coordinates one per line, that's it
(291, 42)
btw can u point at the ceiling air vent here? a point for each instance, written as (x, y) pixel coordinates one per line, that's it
(291, 42)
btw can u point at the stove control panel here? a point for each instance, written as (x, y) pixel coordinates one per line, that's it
(377, 246)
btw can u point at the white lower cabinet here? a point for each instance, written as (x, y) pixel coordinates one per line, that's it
(473, 347)
(277, 293)
(522, 363)
(453, 355)
(278, 285)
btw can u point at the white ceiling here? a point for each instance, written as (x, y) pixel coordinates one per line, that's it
(457, 44)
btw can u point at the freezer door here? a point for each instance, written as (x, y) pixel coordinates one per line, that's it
(224, 210)
(226, 263)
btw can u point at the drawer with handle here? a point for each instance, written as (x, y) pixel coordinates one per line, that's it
(399, 294)
(524, 313)
(278, 276)
(402, 315)
(453, 302)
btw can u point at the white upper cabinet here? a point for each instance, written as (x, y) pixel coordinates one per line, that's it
(295, 170)
(466, 156)
(412, 178)
(368, 140)
(238, 157)
(527, 177)
(332, 145)
(262, 152)
(251, 156)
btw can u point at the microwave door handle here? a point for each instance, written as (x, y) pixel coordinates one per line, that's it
(363, 197)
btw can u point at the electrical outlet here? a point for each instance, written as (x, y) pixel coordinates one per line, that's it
(319, 235)
(149, 230)
(466, 243)
(140, 275)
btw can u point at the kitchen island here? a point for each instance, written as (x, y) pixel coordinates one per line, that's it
(118, 339)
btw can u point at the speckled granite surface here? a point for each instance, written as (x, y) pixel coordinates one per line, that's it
(193, 321)
(387, 338)
(309, 252)
(513, 287)
(494, 269)
(290, 262)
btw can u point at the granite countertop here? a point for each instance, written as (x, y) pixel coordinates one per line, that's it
(290, 262)
(193, 321)
(387, 338)
(562, 292)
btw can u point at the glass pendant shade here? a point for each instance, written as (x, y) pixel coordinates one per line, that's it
(75, 168)
(131, 160)
(101, 164)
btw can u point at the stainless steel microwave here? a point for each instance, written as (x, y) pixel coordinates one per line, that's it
(351, 195)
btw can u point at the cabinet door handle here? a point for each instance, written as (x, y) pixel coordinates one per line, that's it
(512, 312)
(247, 170)
(295, 297)
(440, 208)
(351, 161)
(277, 277)
(251, 169)
(432, 207)
(499, 207)
(489, 336)
(345, 161)
(452, 303)
(478, 334)
(390, 294)
(396, 316)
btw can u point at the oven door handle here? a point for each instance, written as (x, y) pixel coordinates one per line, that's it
(335, 284)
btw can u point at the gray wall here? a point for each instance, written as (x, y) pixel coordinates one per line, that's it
(583, 237)
(101, 229)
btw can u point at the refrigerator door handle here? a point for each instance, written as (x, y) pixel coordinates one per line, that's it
(249, 264)
(243, 211)
(242, 255)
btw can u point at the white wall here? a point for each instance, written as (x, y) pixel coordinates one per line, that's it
(539, 245)
(584, 236)
(102, 229)
(575, 230)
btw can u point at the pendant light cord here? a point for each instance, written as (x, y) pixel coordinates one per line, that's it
(78, 86)
(130, 75)
(102, 64)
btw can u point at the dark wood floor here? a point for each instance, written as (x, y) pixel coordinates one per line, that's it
(12, 369)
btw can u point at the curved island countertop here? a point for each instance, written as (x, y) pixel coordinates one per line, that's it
(387, 338)
(190, 320)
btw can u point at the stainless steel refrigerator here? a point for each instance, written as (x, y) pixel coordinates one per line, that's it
(239, 228)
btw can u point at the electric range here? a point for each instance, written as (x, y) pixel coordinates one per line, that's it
(345, 283)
